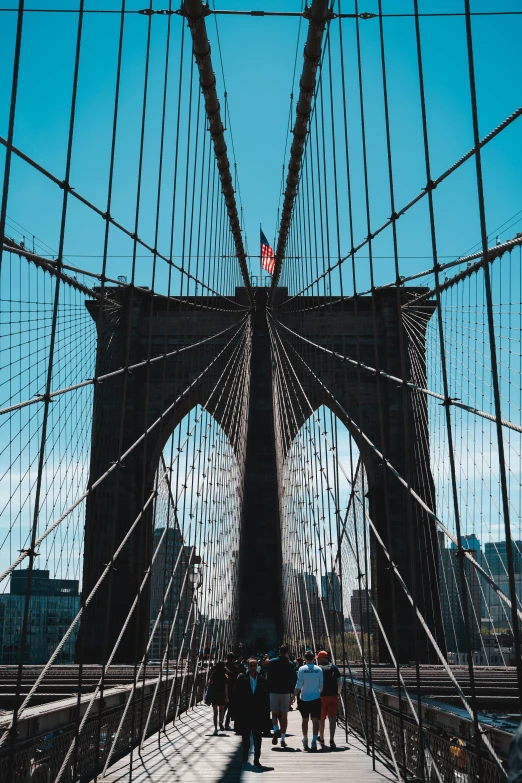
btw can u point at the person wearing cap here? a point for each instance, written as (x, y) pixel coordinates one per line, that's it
(310, 684)
(332, 682)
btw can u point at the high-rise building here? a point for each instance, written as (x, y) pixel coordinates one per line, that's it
(175, 563)
(53, 605)
(361, 610)
(451, 599)
(331, 590)
(469, 541)
(495, 557)
(168, 545)
(496, 613)
(309, 606)
(332, 602)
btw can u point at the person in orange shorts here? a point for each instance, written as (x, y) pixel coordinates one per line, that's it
(332, 682)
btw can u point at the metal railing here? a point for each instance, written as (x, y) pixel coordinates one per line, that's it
(439, 759)
(40, 756)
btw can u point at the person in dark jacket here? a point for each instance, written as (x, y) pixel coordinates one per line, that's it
(219, 680)
(233, 671)
(281, 683)
(252, 710)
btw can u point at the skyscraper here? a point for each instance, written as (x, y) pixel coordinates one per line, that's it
(469, 541)
(53, 605)
(361, 610)
(495, 612)
(331, 591)
(163, 566)
(309, 606)
(331, 599)
(452, 601)
(174, 561)
(495, 557)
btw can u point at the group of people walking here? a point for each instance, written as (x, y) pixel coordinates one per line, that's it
(259, 698)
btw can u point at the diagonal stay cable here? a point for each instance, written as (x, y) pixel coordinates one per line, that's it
(409, 489)
(353, 495)
(174, 503)
(54, 269)
(337, 510)
(477, 566)
(436, 647)
(318, 15)
(104, 573)
(131, 448)
(119, 371)
(72, 192)
(392, 564)
(429, 186)
(50, 265)
(492, 254)
(78, 616)
(401, 381)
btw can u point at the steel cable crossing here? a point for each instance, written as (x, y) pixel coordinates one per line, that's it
(172, 338)
(124, 409)
(330, 351)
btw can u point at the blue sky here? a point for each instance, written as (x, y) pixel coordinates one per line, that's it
(258, 57)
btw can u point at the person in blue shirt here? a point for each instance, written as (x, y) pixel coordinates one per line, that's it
(310, 684)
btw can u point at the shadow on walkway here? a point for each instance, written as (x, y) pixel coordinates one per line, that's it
(190, 753)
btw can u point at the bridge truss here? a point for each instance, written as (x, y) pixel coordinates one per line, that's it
(128, 497)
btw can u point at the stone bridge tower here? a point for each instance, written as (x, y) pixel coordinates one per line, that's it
(346, 327)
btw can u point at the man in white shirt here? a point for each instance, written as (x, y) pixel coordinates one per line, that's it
(310, 684)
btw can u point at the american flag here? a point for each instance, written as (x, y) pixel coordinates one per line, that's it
(267, 255)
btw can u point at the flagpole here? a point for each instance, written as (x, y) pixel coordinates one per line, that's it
(260, 267)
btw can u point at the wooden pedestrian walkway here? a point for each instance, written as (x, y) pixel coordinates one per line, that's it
(190, 753)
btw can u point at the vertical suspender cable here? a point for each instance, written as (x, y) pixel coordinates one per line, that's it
(318, 15)
(493, 352)
(195, 12)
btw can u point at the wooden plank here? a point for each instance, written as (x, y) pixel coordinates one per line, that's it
(190, 753)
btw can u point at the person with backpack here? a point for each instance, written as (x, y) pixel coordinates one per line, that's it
(332, 682)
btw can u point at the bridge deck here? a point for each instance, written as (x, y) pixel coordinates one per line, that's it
(190, 753)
